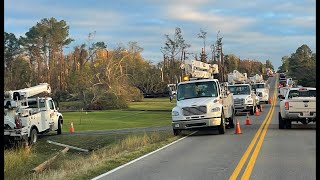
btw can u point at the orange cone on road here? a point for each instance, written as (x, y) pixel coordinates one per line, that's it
(257, 112)
(270, 101)
(238, 130)
(248, 120)
(261, 110)
(71, 127)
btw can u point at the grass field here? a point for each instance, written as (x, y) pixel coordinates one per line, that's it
(153, 104)
(152, 112)
(114, 119)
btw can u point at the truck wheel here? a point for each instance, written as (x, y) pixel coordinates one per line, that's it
(252, 111)
(267, 102)
(281, 123)
(288, 124)
(176, 132)
(59, 130)
(33, 136)
(222, 126)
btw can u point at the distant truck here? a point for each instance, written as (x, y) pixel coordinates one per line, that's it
(298, 104)
(244, 98)
(26, 114)
(262, 91)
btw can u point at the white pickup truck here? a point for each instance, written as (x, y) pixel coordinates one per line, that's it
(298, 104)
(202, 104)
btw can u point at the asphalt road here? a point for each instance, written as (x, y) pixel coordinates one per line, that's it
(262, 151)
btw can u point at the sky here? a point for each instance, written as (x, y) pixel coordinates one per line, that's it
(251, 29)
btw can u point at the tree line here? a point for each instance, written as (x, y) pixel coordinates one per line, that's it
(98, 77)
(301, 66)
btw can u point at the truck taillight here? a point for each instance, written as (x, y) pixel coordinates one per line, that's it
(286, 105)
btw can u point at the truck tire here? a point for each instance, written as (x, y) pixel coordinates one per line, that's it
(231, 119)
(222, 126)
(288, 124)
(267, 102)
(59, 130)
(176, 132)
(33, 136)
(281, 123)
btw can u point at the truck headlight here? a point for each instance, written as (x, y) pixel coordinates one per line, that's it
(175, 113)
(216, 109)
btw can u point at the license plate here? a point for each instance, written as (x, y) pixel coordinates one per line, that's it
(306, 113)
(176, 125)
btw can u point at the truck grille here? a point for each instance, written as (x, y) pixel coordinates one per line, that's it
(189, 111)
(238, 101)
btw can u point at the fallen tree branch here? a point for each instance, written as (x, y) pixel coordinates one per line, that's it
(45, 164)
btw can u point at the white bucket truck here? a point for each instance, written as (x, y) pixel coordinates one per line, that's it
(202, 103)
(26, 114)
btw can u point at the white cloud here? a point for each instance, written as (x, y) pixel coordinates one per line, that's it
(226, 24)
(305, 21)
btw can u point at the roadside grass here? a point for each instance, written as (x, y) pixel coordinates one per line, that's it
(149, 104)
(152, 112)
(114, 119)
(108, 152)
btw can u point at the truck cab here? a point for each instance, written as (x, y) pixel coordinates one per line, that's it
(202, 104)
(244, 98)
(262, 91)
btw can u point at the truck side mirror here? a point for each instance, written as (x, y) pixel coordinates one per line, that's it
(58, 108)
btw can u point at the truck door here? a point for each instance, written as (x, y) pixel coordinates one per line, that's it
(53, 112)
(44, 106)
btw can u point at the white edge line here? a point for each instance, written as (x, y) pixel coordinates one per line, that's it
(135, 160)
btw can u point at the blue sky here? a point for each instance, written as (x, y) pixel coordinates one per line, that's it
(251, 29)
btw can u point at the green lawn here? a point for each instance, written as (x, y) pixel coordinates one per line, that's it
(163, 104)
(114, 119)
(152, 112)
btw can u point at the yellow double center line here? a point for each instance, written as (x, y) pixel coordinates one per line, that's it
(263, 128)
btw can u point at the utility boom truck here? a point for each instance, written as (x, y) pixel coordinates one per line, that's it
(202, 102)
(262, 90)
(244, 96)
(26, 114)
(236, 77)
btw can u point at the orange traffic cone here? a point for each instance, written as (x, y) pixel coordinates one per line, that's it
(257, 112)
(238, 130)
(248, 120)
(71, 127)
(270, 101)
(261, 110)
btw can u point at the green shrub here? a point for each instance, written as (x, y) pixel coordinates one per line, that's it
(133, 94)
(108, 101)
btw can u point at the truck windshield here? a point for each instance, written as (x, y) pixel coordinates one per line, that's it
(197, 90)
(257, 86)
(239, 90)
(297, 93)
